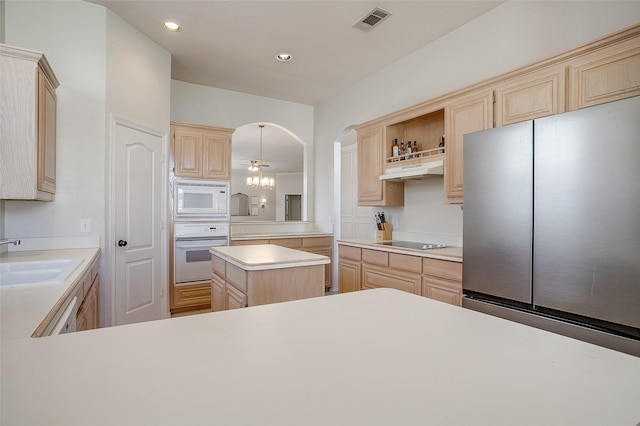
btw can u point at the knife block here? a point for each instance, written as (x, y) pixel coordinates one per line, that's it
(385, 234)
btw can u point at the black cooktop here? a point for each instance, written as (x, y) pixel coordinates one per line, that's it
(416, 246)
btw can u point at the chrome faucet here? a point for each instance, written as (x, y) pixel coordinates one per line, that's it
(14, 242)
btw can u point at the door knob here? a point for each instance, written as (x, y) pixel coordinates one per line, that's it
(122, 243)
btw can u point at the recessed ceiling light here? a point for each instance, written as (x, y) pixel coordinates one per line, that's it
(171, 26)
(284, 57)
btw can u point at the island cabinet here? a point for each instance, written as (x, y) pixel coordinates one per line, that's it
(28, 131)
(201, 151)
(257, 275)
(225, 295)
(366, 268)
(319, 245)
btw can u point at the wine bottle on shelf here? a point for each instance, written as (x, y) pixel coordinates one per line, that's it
(409, 149)
(441, 145)
(415, 149)
(402, 151)
(395, 150)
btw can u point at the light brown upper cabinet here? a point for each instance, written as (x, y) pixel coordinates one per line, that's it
(467, 114)
(604, 70)
(201, 151)
(28, 125)
(371, 190)
(531, 95)
(607, 74)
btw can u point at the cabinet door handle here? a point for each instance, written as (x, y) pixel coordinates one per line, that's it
(122, 243)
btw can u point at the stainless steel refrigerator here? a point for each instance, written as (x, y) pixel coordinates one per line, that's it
(551, 225)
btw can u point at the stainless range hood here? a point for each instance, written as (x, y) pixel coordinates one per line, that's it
(413, 171)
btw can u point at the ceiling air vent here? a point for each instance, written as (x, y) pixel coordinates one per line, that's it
(372, 19)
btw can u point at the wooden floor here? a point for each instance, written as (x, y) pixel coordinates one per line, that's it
(196, 312)
(204, 311)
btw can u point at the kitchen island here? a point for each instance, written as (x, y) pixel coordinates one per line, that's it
(265, 273)
(398, 359)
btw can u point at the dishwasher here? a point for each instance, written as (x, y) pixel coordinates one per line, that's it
(67, 321)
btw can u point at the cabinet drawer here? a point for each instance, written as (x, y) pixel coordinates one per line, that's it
(192, 295)
(311, 242)
(348, 252)
(293, 243)
(405, 262)
(384, 278)
(442, 268)
(248, 242)
(237, 277)
(218, 266)
(375, 257)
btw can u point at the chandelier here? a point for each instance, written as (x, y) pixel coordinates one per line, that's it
(259, 180)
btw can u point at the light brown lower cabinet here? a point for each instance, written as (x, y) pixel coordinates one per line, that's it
(364, 268)
(376, 277)
(391, 270)
(190, 297)
(349, 268)
(443, 290)
(87, 292)
(349, 275)
(88, 316)
(442, 280)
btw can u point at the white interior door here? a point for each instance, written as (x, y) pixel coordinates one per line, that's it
(139, 287)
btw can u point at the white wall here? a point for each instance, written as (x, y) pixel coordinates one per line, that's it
(286, 183)
(76, 51)
(104, 67)
(239, 184)
(138, 76)
(511, 35)
(138, 89)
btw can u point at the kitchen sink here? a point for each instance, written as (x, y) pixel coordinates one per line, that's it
(36, 272)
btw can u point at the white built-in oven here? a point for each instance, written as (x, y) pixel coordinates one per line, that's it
(192, 260)
(200, 200)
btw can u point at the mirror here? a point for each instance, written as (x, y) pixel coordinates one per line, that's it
(239, 205)
(283, 159)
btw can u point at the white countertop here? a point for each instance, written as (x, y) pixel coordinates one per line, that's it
(374, 357)
(267, 256)
(24, 307)
(279, 235)
(451, 253)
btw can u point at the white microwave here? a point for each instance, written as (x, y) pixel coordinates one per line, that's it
(200, 200)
